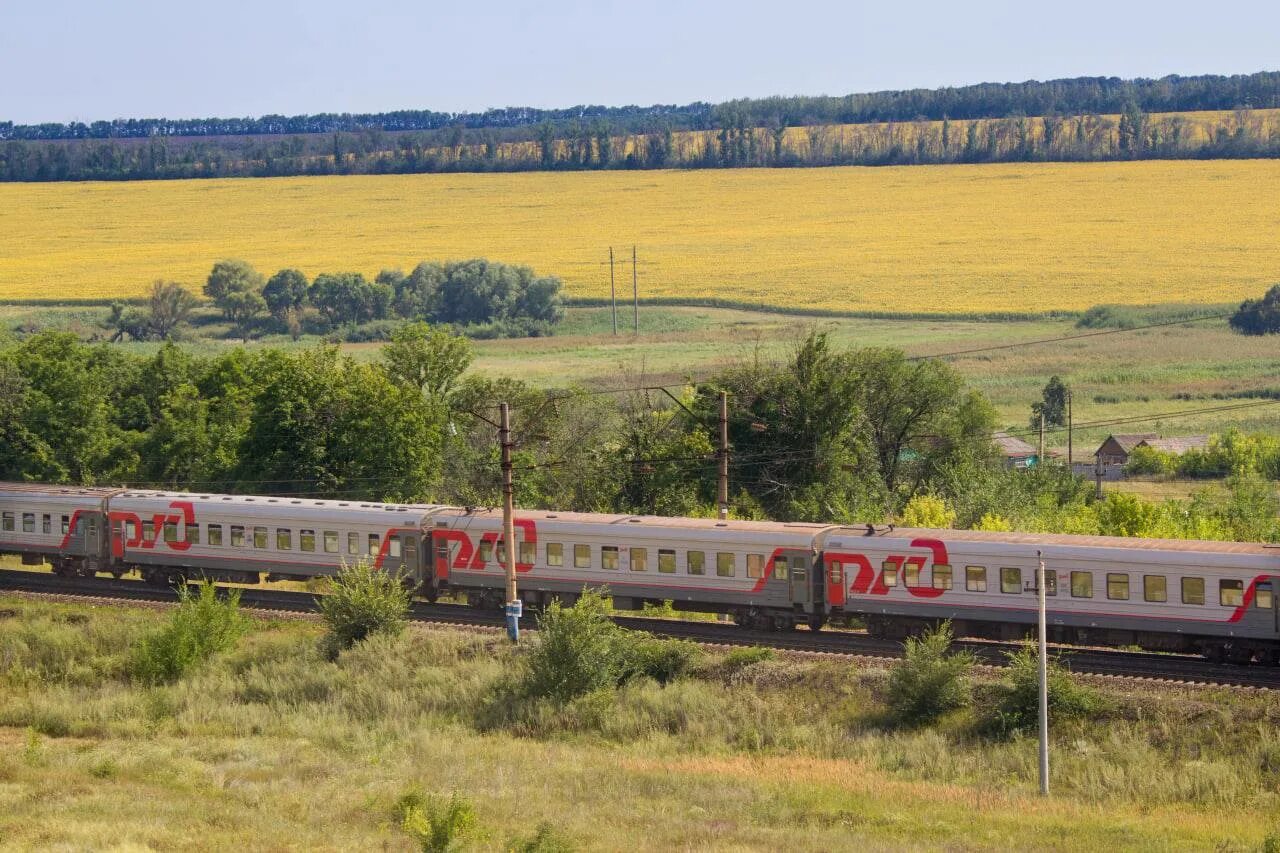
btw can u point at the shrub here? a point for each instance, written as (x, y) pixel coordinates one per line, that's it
(739, 659)
(662, 660)
(928, 511)
(928, 681)
(436, 824)
(364, 601)
(545, 839)
(200, 626)
(1017, 706)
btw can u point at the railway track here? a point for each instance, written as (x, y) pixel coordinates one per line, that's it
(1167, 668)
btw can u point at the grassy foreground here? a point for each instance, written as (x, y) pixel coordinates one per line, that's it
(271, 746)
(949, 239)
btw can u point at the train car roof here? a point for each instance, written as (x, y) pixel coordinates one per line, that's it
(802, 528)
(285, 506)
(46, 490)
(848, 535)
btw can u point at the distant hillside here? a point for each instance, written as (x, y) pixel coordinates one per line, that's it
(1070, 120)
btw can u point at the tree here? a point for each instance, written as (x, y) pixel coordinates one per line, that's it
(241, 307)
(430, 360)
(1052, 404)
(170, 305)
(285, 292)
(231, 277)
(349, 298)
(1258, 316)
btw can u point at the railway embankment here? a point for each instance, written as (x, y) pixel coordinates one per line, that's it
(270, 739)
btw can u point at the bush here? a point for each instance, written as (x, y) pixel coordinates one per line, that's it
(545, 839)
(202, 625)
(739, 659)
(580, 650)
(928, 511)
(928, 681)
(364, 601)
(1017, 706)
(436, 824)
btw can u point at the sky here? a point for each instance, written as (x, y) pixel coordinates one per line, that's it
(64, 60)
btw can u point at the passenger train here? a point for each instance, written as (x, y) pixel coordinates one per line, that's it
(1212, 598)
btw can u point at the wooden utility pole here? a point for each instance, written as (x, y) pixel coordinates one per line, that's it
(613, 293)
(508, 525)
(1040, 453)
(722, 490)
(635, 289)
(1070, 436)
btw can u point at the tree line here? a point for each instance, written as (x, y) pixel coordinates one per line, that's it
(823, 435)
(1068, 120)
(1077, 95)
(482, 297)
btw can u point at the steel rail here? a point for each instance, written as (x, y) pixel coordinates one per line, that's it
(1153, 666)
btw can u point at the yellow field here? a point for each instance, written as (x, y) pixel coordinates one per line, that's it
(938, 238)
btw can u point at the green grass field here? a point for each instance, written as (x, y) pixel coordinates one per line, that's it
(270, 746)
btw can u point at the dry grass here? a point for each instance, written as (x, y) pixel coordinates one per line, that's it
(272, 747)
(948, 239)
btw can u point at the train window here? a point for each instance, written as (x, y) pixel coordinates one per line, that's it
(28, 522)
(726, 565)
(1118, 587)
(1050, 583)
(46, 524)
(666, 561)
(1231, 593)
(237, 536)
(1262, 598)
(411, 549)
(307, 540)
(393, 547)
(941, 576)
(695, 562)
(755, 565)
(214, 534)
(66, 525)
(609, 557)
(191, 532)
(149, 531)
(911, 574)
(835, 573)
(1193, 590)
(375, 544)
(780, 567)
(331, 541)
(889, 573)
(1011, 580)
(500, 549)
(639, 559)
(171, 531)
(131, 530)
(1082, 584)
(353, 543)
(284, 539)
(582, 556)
(528, 552)
(975, 578)
(555, 554)
(259, 536)
(1154, 588)
(6, 521)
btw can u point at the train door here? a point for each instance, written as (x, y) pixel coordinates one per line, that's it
(92, 537)
(799, 565)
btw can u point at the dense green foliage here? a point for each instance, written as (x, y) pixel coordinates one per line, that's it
(438, 825)
(199, 627)
(425, 141)
(930, 680)
(362, 601)
(1017, 705)
(1259, 316)
(1231, 454)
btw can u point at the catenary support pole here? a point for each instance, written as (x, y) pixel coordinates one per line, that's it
(1044, 677)
(508, 525)
(1040, 454)
(635, 290)
(1071, 424)
(722, 490)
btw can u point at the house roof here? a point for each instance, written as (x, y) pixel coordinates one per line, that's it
(1012, 446)
(1177, 444)
(1128, 441)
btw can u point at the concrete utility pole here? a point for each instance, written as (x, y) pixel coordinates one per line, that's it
(1097, 476)
(1044, 678)
(508, 525)
(722, 491)
(635, 289)
(613, 293)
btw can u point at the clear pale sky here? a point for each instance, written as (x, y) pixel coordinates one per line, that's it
(99, 59)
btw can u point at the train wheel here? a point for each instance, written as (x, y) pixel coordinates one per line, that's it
(816, 622)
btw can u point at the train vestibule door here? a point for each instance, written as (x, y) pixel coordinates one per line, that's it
(799, 569)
